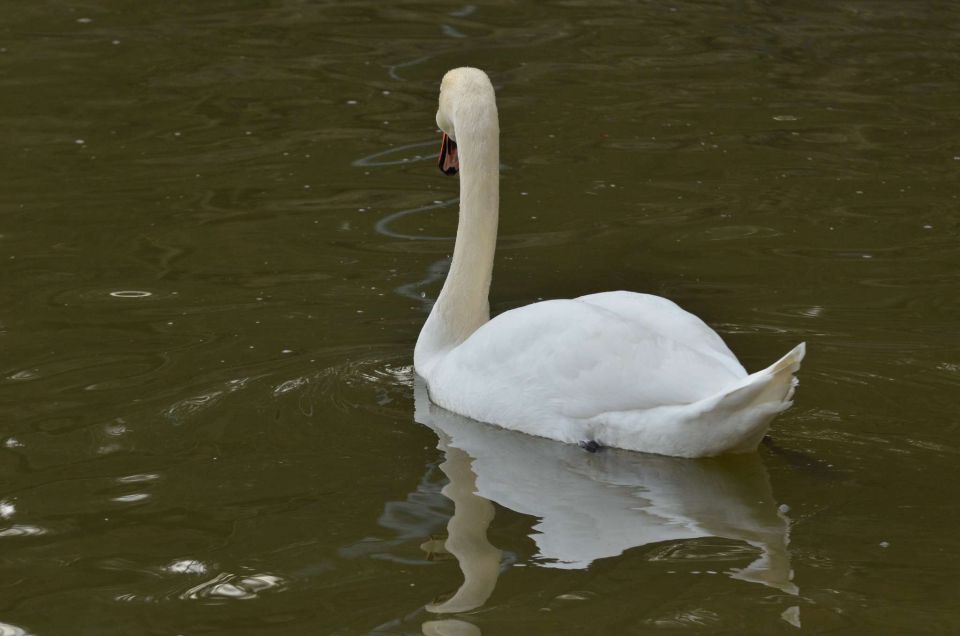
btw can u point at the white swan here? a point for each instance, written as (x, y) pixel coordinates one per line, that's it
(618, 369)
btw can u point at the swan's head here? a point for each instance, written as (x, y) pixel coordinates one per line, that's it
(466, 99)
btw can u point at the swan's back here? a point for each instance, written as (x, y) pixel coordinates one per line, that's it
(663, 316)
(579, 358)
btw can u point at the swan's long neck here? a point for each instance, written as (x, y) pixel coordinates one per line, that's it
(463, 305)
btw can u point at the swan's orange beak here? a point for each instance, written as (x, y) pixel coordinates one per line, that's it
(449, 162)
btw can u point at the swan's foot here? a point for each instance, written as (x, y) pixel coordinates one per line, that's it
(591, 446)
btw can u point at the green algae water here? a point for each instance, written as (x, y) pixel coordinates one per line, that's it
(222, 226)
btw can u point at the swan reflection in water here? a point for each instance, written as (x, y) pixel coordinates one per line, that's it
(593, 505)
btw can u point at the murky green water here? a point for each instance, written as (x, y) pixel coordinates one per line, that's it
(221, 230)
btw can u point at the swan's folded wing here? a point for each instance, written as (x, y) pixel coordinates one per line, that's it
(660, 315)
(577, 359)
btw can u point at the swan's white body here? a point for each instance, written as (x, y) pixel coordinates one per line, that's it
(626, 370)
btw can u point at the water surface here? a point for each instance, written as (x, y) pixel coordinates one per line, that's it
(221, 229)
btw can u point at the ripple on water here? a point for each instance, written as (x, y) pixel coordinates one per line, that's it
(228, 586)
(691, 618)
(24, 375)
(737, 232)
(335, 384)
(22, 530)
(187, 566)
(131, 293)
(131, 498)
(387, 157)
(692, 552)
(91, 295)
(75, 371)
(223, 587)
(182, 410)
(384, 225)
(290, 385)
(138, 478)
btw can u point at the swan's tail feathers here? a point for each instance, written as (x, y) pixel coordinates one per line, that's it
(790, 361)
(744, 411)
(785, 368)
(773, 385)
(733, 420)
